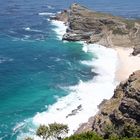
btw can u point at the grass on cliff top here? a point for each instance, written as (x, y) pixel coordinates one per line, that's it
(130, 23)
(103, 15)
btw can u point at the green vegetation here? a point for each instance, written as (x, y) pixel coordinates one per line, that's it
(102, 15)
(85, 136)
(43, 131)
(126, 130)
(129, 24)
(111, 132)
(119, 31)
(53, 131)
(28, 138)
(131, 130)
(58, 132)
(94, 136)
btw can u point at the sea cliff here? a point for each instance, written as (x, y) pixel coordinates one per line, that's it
(121, 114)
(104, 29)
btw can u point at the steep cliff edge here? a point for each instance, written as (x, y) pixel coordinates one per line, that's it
(104, 29)
(121, 114)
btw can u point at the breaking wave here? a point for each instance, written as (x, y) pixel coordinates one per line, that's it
(83, 98)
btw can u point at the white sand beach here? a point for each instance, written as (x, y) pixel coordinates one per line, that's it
(127, 63)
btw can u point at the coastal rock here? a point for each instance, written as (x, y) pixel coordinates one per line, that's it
(136, 51)
(75, 111)
(63, 16)
(104, 29)
(121, 114)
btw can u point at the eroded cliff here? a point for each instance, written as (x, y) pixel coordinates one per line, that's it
(121, 114)
(104, 29)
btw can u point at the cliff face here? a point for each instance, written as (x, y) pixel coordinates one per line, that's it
(104, 29)
(121, 114)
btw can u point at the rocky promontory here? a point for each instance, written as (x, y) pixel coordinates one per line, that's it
(121, 114)
(104, 29)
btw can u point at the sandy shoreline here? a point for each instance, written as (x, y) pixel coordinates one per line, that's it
(127, 63)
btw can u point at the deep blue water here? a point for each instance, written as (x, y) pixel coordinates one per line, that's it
(34, 64)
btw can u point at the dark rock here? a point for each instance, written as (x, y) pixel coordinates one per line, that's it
(75, 111)
(121, 113)
(136, 51)
(63, 16)
(102, 103)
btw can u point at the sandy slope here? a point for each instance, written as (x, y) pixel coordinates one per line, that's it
(127, 63)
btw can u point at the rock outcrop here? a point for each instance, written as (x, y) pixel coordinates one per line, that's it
(121, 114)
(104, 29)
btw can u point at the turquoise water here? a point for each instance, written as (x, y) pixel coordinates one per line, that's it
(33, 75)
(34, 64)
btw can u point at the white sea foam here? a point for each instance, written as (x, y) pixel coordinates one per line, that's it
(27, 28)
(5, 59)
(18, 127)
(32, 30)
(59, 28)
(48, 19)
(83, 99)
(87, 94)
(50, 7)
(46, 14)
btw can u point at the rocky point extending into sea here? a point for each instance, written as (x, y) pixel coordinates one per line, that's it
(104, 29)
(122, 112)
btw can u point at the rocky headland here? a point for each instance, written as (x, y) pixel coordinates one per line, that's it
(119, 115)
(104, 29)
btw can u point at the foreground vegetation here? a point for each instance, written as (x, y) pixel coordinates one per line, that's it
(57, 131)
(52, 131)
(93, 136)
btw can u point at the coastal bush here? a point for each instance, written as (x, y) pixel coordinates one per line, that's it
(93, 136)
(119, 31)
(131, 130)
(130, 23)
(85, 136)
(126, 130)
(111, 132)
(28, 138)
(43, 132)
(130, 139)
(58, 132)
(54, 130)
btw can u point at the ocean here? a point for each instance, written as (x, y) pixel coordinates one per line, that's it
(43, 79)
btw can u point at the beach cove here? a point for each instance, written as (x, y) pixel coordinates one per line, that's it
(46, 80)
